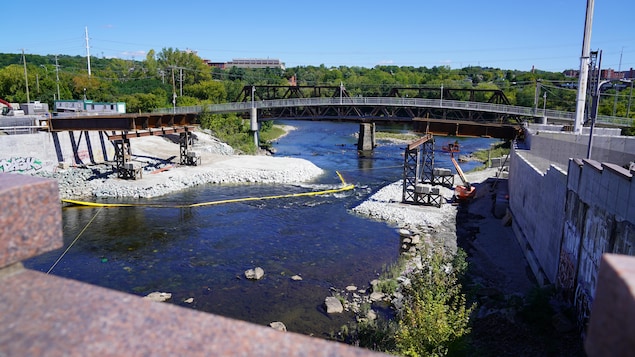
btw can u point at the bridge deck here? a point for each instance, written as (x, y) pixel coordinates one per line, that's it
(123, 122)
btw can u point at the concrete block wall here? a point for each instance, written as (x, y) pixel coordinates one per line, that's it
(537, 203)
(599, 219)
(44, 151)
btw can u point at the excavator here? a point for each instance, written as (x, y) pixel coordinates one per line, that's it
(9, 110)
(465, 191)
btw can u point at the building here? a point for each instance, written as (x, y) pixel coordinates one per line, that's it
(255, 63)
(87, 107)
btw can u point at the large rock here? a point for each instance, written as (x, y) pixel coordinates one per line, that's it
(254, 274)
(277, 325)
(158, 296)
(333, 305)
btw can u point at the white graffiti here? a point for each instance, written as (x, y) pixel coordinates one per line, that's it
(20, 164)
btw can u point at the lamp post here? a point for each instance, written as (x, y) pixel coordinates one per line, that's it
(594, 114)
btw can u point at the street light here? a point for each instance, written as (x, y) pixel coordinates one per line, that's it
(594, 114)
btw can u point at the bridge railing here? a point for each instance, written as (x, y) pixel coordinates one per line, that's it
(396, 102)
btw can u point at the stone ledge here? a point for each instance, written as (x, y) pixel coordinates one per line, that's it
(31, 219)
(611, 328)
(47, 315)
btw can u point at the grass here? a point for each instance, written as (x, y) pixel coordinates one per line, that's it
(272, 134)
(498, 150)
(384, 135)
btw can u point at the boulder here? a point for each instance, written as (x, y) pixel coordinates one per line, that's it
(333, 305)
(376, 296)
(254, 274)
(158, 296)
(296, 278)
(351, 288)
(277, 325)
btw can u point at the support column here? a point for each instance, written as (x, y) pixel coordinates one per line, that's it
(366, 140)
(253, 115)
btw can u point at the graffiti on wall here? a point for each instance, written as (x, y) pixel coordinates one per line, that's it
(20, 164)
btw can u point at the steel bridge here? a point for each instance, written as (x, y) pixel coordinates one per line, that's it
(444, 111)
(431, 104)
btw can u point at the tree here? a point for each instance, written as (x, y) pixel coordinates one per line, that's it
(12, 84)
(212, 92)
(175, 62)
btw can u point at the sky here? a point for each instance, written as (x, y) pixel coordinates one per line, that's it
(516, 35)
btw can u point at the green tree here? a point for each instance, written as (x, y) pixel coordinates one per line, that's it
(186, 63)
(211, 92)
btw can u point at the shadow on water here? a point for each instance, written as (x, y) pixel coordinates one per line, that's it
(202, 253)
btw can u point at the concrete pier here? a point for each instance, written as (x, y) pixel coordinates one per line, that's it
(366, 140)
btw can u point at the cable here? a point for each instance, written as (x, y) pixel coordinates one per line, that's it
(73, 242)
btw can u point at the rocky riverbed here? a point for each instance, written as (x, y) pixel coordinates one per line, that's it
(162, 174)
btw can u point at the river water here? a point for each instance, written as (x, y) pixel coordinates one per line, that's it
(202, 253)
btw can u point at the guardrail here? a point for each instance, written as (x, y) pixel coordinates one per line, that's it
(556, 115)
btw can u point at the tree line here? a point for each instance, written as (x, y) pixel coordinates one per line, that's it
(171, 76)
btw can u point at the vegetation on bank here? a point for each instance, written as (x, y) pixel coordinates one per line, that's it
(435, 317)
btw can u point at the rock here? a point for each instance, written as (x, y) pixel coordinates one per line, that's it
(277, 325)
(415, 239)
(333, 305)
(371, 315)
(376, 296)
(254, 274)
(189, 301)
(158, 296)
(296, 278)
(351, 288)
(404, 232)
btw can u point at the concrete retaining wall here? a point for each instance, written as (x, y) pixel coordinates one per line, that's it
(45, 151)
(537, 202)
(559, 147)
(598, 220)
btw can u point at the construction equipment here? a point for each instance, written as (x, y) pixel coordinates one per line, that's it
(465, 191)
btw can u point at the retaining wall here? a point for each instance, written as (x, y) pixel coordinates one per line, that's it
(537, 202)
(559, 147)
(600, 218)
(45, 151)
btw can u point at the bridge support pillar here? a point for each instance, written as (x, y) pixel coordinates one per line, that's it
(253, 116)
(366, 140)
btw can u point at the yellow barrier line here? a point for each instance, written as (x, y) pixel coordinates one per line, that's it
(234, 200)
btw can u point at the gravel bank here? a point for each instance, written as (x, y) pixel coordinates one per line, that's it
(162, 174)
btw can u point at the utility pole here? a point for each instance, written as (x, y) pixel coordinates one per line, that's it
(57, 78)
(26, 78)
(619, 70)
(173, 91)
(87, 52)
(181, 81)
(584, 69)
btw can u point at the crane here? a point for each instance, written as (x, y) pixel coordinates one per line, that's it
(465, 191)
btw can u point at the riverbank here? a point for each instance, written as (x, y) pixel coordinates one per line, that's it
(162, 174)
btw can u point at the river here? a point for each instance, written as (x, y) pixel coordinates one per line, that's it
(201, 253)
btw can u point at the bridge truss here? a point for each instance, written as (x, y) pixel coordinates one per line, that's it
(377, 111)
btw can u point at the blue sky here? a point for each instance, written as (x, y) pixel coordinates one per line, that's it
(506, 34)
